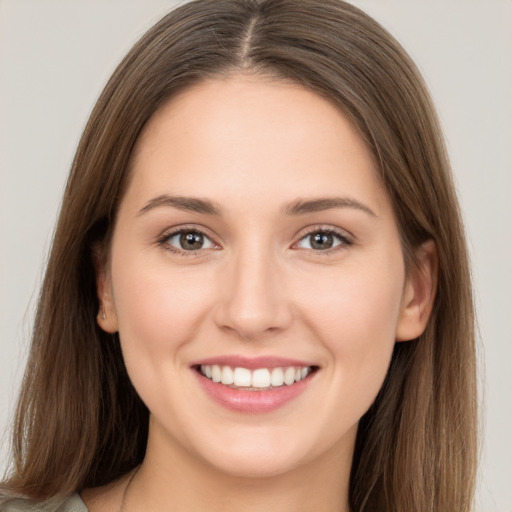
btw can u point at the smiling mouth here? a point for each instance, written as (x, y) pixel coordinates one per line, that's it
(260, 379)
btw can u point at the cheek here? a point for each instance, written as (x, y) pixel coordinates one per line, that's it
(157, 310)
(356, 321)
(359, 302)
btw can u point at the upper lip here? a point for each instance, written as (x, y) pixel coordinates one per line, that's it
(252, 363)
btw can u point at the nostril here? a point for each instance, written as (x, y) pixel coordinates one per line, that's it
(254, 324)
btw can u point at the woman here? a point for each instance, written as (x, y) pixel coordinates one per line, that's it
(258, 294)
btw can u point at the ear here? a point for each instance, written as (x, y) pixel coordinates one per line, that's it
(106, 317)
(419, 293)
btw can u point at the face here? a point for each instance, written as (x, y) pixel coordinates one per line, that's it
(255, 245)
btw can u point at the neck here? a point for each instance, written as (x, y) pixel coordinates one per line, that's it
(172, 479)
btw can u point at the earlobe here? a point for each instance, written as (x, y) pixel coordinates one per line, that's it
(419, 293)
(106, 316)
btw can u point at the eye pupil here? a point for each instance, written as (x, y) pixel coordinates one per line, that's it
(191, 241)
(321, 241)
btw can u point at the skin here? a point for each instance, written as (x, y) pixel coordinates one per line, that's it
(252, 146)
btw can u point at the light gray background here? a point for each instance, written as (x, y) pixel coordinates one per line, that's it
(55, 56)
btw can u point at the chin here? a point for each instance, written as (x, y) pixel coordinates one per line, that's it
(262, 453)
(260, 465)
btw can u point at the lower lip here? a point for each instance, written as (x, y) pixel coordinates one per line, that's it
(240, 400)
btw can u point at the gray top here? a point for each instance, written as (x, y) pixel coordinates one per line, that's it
(71, 504)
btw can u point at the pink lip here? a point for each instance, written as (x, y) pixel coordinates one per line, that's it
(252, 363)
(240, 400)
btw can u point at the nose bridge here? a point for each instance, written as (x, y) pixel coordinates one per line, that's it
(253, 302)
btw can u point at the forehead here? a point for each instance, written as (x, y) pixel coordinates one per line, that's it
(248, 137)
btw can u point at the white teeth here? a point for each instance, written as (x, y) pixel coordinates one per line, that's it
(277, 377)
(289, 376)
(206, 370)
(262, 378)
(242, 377)
(227, 375)
(216, 373)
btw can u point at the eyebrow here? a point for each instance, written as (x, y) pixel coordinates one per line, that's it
(191, 204)
(301, 207)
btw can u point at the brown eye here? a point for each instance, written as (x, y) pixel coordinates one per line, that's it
(320, 241)
(191, 241)
(323, 240)
(188, 240)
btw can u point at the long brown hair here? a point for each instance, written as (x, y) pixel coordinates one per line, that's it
(80, 423)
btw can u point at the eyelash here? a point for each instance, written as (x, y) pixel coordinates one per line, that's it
(344, 240)
(163, 241)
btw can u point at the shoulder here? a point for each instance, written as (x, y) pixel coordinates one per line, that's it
(71, 504)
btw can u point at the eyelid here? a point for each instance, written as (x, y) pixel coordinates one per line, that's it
(169, 233)
(346, 239)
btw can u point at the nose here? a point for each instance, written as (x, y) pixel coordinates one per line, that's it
(253, 303)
